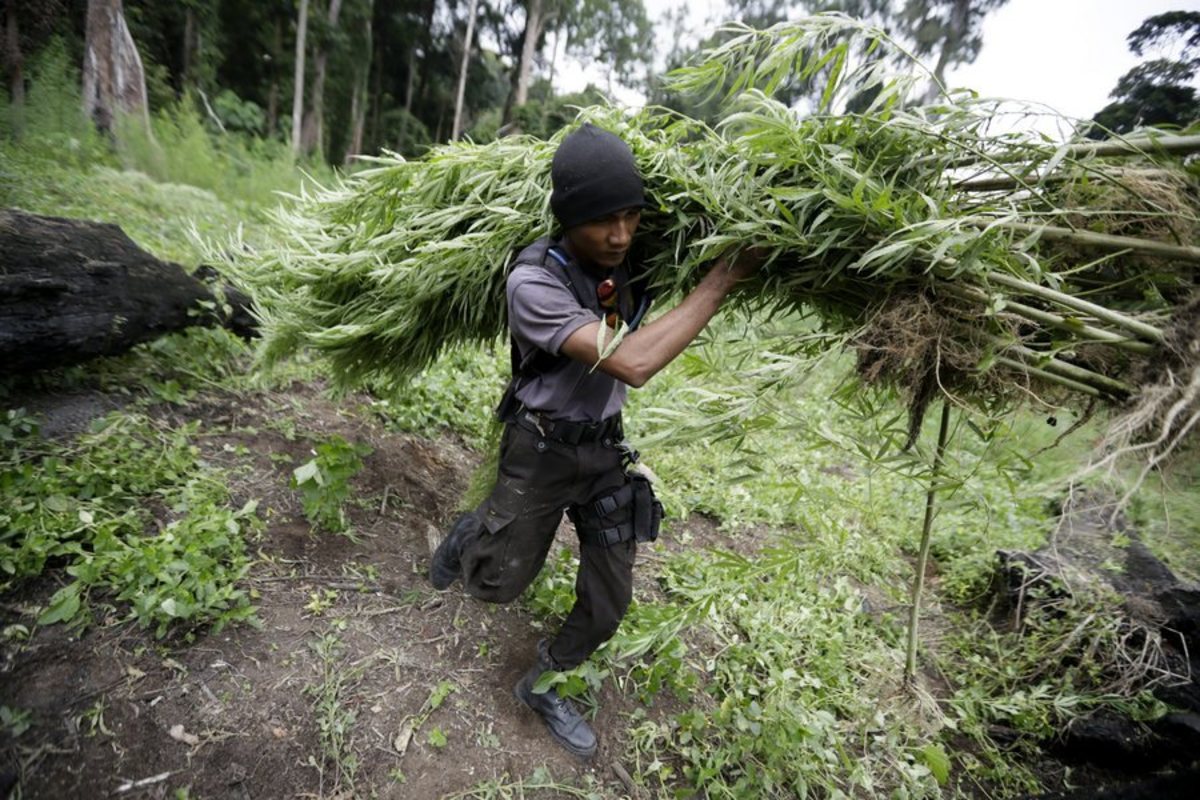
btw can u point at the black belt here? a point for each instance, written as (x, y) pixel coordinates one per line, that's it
(608, 431)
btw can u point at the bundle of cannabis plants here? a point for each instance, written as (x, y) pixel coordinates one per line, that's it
(953, 259)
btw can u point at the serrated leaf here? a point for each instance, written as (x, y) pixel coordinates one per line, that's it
(934, 757)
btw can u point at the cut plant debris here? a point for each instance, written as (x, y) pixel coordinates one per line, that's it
(954, 259)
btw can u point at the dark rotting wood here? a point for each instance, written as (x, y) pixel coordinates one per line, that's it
(72, 290)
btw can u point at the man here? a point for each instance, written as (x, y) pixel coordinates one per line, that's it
(562, 447)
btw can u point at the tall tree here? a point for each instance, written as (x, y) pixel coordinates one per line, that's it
(313, 131)
(535, 21)
(462, 73)
(298, 82)
(950, 28)
(13, 60)
(276, 54)
(1158, 91)
(114, 79)
(617, 34)
(358, 100)
(614, 33)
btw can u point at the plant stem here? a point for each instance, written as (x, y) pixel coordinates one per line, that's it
(1143, 145)
(1104, 240)
(1105, 384)
(910, 661)
(1099, 312)
(1004, 183)
(1083, 331)
(1149, 145)
(1050, 377)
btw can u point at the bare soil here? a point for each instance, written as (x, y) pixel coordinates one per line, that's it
(236, 714)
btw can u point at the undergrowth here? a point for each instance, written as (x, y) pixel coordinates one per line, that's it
(144, 529)
(155, 183)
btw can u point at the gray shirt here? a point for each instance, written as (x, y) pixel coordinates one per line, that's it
(543, 313)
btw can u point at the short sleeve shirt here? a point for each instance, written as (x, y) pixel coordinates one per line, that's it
(543, 312)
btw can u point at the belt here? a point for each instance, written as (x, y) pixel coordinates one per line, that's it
(608, 431)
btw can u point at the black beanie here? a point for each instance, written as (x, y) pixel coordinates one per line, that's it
(593, 174)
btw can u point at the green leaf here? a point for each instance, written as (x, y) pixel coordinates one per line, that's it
(308, 472)
(547, 680)
(437, 738)
(933, 756)
(57, 503)
(64, 605)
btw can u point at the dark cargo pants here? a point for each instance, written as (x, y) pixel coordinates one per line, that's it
(538, 479)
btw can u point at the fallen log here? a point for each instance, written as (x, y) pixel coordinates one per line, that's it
(72, 290)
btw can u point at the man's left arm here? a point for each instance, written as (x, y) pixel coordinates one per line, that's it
(643, 353)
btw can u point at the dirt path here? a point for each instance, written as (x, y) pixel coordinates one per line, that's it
(352, 642)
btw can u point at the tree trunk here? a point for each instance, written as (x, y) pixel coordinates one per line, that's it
(113, 77)
(422, 74)
(462, 72)
(554, 52)
(12, 55)
(273, 91)
(956, 30)
(71, 290)
(377, 95)
(410, 83)
(298, 82)
(189, 38)
(358, 102)
(314, 121)
(533, 32)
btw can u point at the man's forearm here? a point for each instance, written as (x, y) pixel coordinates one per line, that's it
(643, 353)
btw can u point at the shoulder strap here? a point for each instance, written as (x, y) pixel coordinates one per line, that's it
(537, 361)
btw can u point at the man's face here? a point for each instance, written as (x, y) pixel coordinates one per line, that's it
(602, 243)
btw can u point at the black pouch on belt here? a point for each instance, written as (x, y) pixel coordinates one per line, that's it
(647, 510)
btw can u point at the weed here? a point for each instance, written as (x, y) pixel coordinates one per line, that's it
(321, 601)
(335, 721)
(457, 393)
(436, 738)
(15, 721)
(486, 737)
(324, 485)
(90, 505)
(92, 720)
(541, 781)
(411, 724)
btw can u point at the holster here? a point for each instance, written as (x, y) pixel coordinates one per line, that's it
(647, 510)
(627, 512)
